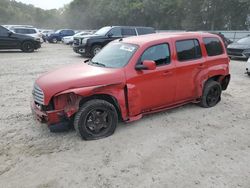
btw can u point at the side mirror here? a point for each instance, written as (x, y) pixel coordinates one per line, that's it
(10, 33)
(110, 35)
(146, 65)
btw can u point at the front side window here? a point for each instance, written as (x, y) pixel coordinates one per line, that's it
(188, 50)
(70, 32)
(114, 55)
(116, 32)
(160, 54)
(21, 31)
(32, 31)
(213, 46)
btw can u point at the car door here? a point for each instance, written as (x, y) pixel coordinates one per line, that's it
(189, 63)
(7, 40)
(152, 89)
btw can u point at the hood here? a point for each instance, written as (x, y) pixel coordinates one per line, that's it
(236, 45)
(68, 37)
(89, 36)
(77, 76)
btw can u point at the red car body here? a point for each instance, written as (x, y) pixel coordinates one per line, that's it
(133, 92)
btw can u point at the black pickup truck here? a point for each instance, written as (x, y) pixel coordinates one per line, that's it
(90, 45)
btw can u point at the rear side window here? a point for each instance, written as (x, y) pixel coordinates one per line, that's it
(188, 50)
(160, 54)
(25, 31)
(128, 32)
(213, 46)
(144, 31)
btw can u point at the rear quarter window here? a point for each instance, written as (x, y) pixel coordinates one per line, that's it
(213, 46)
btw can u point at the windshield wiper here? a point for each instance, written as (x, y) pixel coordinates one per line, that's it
(97, 63)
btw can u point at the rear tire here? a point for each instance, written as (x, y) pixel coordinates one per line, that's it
(28, 47)
(96, 119)
(211, 94)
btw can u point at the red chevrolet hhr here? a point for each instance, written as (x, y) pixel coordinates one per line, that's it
(132, 77)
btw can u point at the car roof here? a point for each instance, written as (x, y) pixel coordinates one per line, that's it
(130, 26)
(23, 28)
(143, 39)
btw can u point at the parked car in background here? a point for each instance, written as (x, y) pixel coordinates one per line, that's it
(46, 33)
(59, 34)
(11, 26)
(30, 31)
(70, 39)
(130, 78)
(226, 41)
(248, 67)
(240, 49)
(11, 40)
(90, 45)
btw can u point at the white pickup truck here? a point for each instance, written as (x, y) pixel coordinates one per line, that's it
(248, 66)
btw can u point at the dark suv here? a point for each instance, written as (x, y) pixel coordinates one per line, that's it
(10, 40)
(90, 45)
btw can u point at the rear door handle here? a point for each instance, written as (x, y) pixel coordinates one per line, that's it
(201, 66)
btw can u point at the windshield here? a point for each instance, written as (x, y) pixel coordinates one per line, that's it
(80, 34)
(58, 31)
(114, 55)
(103, 31)
(244, 41)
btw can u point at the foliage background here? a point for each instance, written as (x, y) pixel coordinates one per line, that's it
(161, 14)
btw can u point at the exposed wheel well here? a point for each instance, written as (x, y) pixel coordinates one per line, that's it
(223, 80)
(104, 97)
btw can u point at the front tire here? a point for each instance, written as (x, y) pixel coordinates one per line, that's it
(211, 94)
(96, 119)
(54, 40)
(95, 50)
(28, 47)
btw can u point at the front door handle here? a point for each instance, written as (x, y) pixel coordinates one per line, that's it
(167, 73)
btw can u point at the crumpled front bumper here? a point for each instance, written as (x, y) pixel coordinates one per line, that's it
(48, 117)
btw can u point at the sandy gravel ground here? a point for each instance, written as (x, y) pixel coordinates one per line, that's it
(185, 147)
